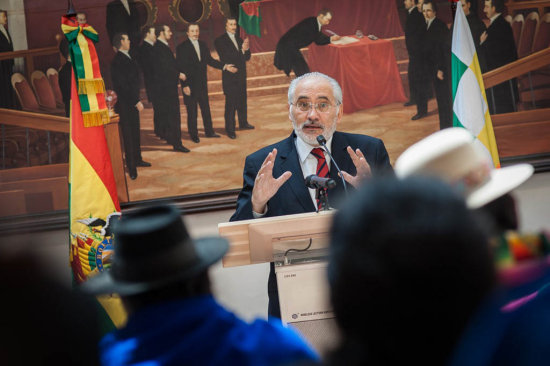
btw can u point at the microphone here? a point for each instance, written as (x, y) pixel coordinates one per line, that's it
(314, 181)
(323, 142)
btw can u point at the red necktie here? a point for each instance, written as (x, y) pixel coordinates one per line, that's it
(322, 167)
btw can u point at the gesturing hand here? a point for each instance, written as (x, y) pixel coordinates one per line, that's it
(361, 165)
(265, 186)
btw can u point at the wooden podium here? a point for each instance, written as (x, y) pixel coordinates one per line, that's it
(301, 273)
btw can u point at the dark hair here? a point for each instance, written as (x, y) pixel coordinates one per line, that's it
(434, 4)
(500, 215)
(146, 30)
(4, 11)
(325, 11)
(159, 28)
(190, 24)
(498, 4)
(117, 40)
(228, 19)
(196, 286)
(408, 267)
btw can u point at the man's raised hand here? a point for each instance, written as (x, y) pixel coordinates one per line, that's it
(265, 185)
(361, 165)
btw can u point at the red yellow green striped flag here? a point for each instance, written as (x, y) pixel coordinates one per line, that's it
(93, 200)
(91, 88)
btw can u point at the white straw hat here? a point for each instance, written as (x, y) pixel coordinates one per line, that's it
(454, 156)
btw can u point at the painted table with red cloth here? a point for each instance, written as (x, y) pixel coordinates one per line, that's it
(366, 70)
(379, 17)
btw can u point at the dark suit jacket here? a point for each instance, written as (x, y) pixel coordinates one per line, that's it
(165, 70)
(146, 60)
(437, 49)
(230, 55)
(299, 36)
(6, 70)
(195, 70)
(415, 27)
(64, 81)
(118, 21)
(499, 47)
(125, 76)
(293, 196)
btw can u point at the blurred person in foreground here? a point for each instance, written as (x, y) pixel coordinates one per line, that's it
(162, 277)
(510, 328)
(409, 265)
(43, 322)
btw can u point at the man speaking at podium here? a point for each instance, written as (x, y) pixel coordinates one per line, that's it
(273, 178)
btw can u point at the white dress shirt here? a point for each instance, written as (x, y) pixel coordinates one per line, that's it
(125, 53)
(126, 5)
(233, 39)
(3, 30)
(308, 163)
(195, 44)
(429, 22)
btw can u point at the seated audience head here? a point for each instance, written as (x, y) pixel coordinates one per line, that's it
(408, 266)
(156, 260)
(315, 109)
(459, 159)
(44, 322)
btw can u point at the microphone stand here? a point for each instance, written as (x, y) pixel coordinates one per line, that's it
(322, 197)
(323, 142)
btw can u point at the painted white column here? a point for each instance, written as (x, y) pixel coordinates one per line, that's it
(17, 27)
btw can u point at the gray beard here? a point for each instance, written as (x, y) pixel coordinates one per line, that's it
(312, 140)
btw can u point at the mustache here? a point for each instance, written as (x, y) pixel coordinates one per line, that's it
(312, 124)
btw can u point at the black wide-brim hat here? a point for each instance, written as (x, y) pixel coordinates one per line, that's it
(153, 248)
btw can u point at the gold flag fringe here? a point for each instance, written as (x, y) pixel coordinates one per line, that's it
(91, 86)
(95, 118)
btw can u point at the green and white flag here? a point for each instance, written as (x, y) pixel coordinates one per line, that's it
(470, 108)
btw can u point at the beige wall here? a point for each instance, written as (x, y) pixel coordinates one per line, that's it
(243, 289)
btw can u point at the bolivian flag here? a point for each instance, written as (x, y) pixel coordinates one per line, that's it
(469, 100)
(93, 200)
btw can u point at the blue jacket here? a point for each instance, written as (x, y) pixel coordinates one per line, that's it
(198, 331)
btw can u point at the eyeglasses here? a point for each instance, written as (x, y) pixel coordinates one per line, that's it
(321, 107)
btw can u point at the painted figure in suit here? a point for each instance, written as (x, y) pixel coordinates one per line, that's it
(65, 76)
(125, 76)
(274, 176)
(146, 60)
(123, 17)
(415, 27)
(437, 66)
(233, 50)
(287, 54)
(477, 27)
(166, 103)
(192, 57)
(6, 66)
(499, 49)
